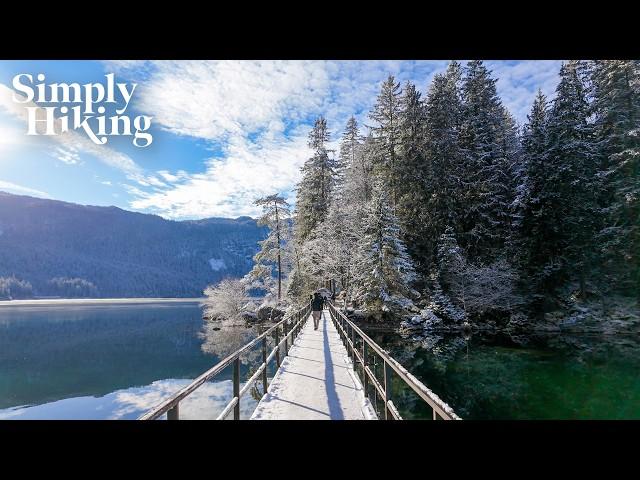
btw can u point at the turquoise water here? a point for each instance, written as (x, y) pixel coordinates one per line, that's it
(529, 377)
(98, 362)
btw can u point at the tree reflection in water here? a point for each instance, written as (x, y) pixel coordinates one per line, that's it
(222, 338)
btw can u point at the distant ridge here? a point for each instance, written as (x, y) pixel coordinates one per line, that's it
(70, 250)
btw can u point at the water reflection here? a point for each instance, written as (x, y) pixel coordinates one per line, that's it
(110, 361)
(205, 403)
(221, 342)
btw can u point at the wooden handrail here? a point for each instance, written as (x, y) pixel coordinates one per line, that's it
(170, 406)
(348, 330)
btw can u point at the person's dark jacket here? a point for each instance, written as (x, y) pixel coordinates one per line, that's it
(317, 303)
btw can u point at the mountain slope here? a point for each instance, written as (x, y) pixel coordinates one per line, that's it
(75, 250)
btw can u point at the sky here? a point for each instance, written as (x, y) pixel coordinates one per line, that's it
(224, 132)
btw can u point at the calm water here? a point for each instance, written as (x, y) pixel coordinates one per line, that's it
(97, 362)
(116, 362)
(533, 377)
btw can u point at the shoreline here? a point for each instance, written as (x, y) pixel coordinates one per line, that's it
(48, 302)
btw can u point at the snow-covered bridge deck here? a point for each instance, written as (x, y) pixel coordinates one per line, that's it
(316, 378)
(315, 381)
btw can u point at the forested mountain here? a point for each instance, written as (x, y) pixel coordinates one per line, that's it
(53, 248)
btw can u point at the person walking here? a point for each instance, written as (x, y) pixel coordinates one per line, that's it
(317, 303)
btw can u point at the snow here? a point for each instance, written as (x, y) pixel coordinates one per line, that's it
(315, 381)
(217, 264)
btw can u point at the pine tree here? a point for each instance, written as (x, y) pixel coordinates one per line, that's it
(487, 195)
(351, 157)
(385, 270)
(411, 162)
(386, 113)
(537, 213)
(440, 178)
(276, 217)
(360, 175)
(452, 267)
(573, 185)
(616, 91)
(314, 190)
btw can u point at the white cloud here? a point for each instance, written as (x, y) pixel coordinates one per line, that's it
(20, 190)
(230, 184)
(68, 155)
(216, 99)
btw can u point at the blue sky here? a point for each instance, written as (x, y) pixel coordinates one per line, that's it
(224, 133)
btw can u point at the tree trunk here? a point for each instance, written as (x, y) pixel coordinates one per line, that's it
(279, 261)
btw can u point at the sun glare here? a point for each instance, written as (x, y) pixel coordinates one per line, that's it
(10, 137)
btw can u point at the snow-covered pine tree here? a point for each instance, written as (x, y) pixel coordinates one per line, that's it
(276, 216)
(410, 167)
(356, 164)
(385, 270)
(511, 151)
(360, 175)
(440, 178)
(350, 153)
(616, 90)
(386, 131)
(573, 185)
(452, 268)
(536, 212)
(486, 197)
(313, 191)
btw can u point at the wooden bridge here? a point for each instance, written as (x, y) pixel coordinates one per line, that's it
(334, 373)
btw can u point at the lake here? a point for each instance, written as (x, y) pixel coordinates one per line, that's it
(115, 361)
(109, 361)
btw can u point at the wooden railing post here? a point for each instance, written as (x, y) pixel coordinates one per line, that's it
(353, 347)
(364, 366)
(387, 390)
(375, 390)
(236, 388)
(277, 348)
(174, 413)
(264, 361)
(286, 339)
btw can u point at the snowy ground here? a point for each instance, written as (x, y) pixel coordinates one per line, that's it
(315, 381)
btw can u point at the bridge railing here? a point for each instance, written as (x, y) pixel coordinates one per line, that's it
(285, 332)
(365, 352)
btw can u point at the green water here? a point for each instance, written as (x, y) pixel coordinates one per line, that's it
(532, 377)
